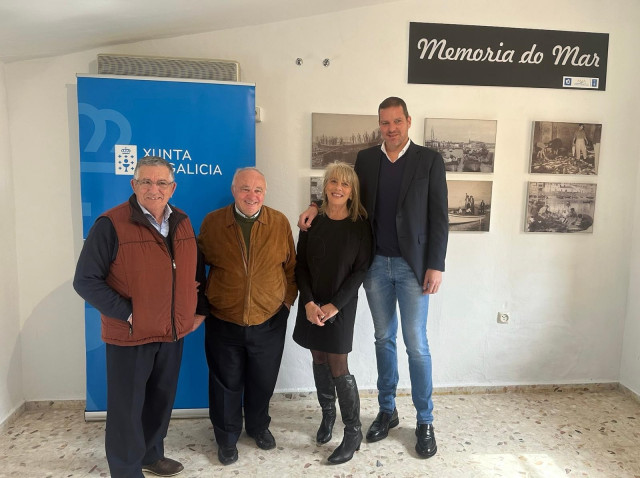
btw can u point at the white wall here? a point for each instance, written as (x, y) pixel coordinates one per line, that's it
(567, 293)
(11, 394)
(630, 367)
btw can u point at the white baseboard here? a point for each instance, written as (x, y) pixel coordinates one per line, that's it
(311, 395)
(12, 417)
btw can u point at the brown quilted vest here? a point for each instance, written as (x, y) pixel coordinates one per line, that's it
(161, 284)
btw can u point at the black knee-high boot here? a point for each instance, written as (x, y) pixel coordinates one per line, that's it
(326, 392)
(349, 401)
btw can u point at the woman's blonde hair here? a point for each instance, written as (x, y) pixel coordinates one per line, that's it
(344, 172)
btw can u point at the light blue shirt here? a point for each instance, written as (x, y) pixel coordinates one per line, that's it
(162, 228)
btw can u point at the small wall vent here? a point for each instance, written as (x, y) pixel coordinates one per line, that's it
(191, 68)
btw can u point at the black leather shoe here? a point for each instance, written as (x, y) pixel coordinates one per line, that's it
(227, 454)
(164, 467)
(379, 429)
(426, 445)
(264, 439)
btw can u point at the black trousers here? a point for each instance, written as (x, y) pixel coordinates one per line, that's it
(141, 388)
(243, 365)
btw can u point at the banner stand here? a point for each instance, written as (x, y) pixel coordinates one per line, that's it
(206, 130)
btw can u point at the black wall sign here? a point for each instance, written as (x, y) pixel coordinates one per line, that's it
(444, 54)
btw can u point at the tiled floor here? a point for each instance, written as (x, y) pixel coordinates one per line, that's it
(524, 434)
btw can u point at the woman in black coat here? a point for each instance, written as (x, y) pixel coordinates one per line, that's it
(332, 260)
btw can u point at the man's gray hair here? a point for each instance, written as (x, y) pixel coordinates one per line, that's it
(250, 168)
(153, 161)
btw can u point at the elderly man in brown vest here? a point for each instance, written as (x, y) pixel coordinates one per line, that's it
(139, 268)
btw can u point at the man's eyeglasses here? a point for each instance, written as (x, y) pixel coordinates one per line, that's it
(147, 183)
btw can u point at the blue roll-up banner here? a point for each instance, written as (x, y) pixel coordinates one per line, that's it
(206, 130)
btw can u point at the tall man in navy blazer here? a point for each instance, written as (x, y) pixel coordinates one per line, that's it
(404, 189)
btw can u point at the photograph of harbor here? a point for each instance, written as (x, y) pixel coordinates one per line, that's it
(337, 137)
(469, 205)
(467, 145)
(565, 148)
(560, 207)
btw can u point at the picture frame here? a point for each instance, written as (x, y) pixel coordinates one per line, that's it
(565, 148)
(339, 137)
(560, 207)
(315, 188)
(469, 205)
(466, 145)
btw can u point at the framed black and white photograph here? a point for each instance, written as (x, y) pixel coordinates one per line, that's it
(338, 137)
(469, 205)
(315, 188)
(560, 207)
(466, 145)
(565, 148)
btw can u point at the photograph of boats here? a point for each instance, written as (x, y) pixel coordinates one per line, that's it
(560, 207)
(469, 205)
(337, 137)
(315, 188)
(565, 148)
(467, 145)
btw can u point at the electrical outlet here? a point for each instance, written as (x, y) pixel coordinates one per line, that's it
(503, 317)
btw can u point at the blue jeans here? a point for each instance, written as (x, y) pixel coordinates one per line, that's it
(391, 281)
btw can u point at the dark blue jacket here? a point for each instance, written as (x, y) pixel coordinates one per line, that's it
(422, 216)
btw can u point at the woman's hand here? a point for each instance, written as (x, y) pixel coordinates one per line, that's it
(328, 310)
(315, 314)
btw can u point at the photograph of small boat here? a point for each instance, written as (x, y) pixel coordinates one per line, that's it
(464, 219)
(469, 205)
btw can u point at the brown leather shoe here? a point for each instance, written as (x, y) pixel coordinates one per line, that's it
(164, 467)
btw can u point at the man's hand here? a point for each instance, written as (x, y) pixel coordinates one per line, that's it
(304, 221)
(432, 281)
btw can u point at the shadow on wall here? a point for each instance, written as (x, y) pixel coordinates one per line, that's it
(14, 395)
(53, 347)
(74, 170)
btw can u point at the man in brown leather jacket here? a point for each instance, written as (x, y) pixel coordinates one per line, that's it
(251, 287)
(139, 267)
